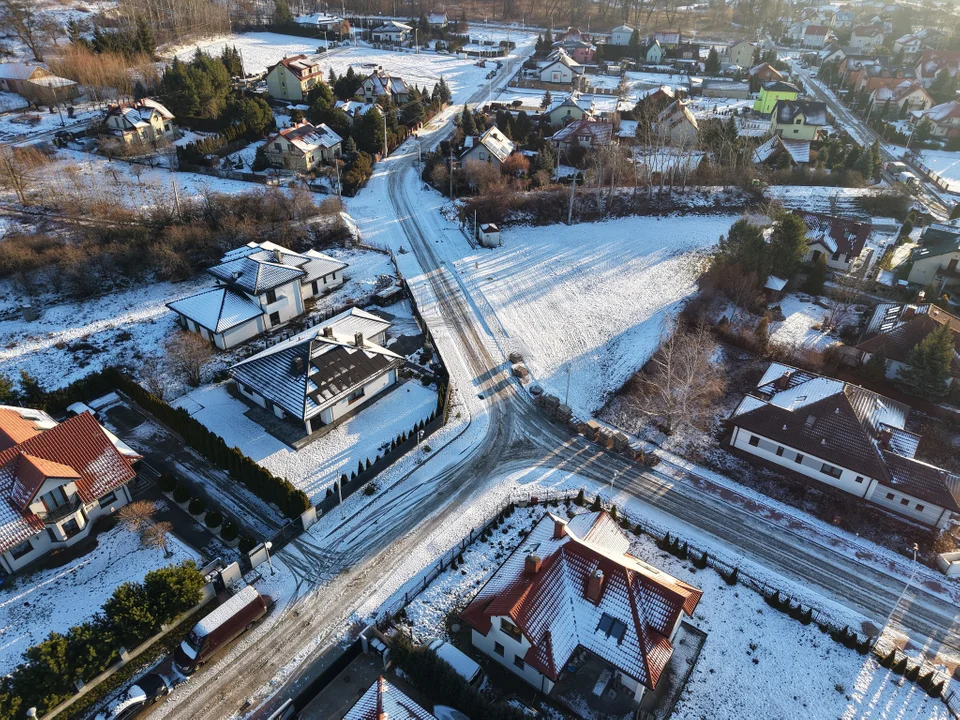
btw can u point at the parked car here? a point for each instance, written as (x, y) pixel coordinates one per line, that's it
(78, 408)
(908, 178)
(463, 665)
(143, 693)
(219, 628)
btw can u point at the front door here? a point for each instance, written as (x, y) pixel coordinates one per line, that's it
(816, 256)
(952, 267)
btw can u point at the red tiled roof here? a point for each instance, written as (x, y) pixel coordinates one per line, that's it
(79, 445)
(847, 235)
(552, 610)
(14, 429)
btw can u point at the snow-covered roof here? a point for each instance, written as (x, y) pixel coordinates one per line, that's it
(256, 268)
(383, 701)
(139, 113)
(573, 584)
(318, 19)
(601, 132)
(77, 450)
(895, 330)
(302, 66)
(394, 27)
(622, 29)
(218, 309)
(798, 150)
(18, 70)
(814, 113)
(837, 234)
(775, 283)
(383, 83)
(497, 143)
(226, 611)
(315, 369)
(437, 18)
(306, 137)
(628, 129)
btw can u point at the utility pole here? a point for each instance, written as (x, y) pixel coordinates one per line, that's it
(566, 397)
(340, 499)
(384, 133)
(53, 88)
(451, 170)
(573, 187)
(176, 200)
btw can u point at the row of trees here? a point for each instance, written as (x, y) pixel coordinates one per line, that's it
(133, 614)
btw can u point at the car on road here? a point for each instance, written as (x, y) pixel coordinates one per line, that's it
(219, 628)
(143, 693)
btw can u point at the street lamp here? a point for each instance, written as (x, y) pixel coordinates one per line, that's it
(266, 546)
(902, 593)
(419, 437)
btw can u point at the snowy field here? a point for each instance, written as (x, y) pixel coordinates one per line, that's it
(821, 199)
(54, 600)
(756, 662)
(261, 50)
(315, 467)
(945, 164)
(24, 124)
(73, 339)
(593, 297)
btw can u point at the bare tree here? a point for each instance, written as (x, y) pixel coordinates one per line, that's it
(26, 21)
(189, 354)
(681, 381)
(158, 536)
(137, 516)
(19, 168)
(151, 374)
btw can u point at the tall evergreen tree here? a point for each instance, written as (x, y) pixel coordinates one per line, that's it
(788, 245)
(467, 122)
(875, 368)
(928, 365)
(144, 37)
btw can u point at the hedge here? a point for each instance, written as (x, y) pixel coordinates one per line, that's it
(133, 614)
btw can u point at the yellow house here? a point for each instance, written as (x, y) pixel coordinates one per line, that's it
(293, 77)
(145, 121)
(773, 91)
(798, 119)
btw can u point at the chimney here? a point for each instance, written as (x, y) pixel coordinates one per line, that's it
(328, 332)
(532, 564)
(908, 312)
(884, 437)
(235, 274)
(921, 296)
(595, 587)
(783, 382)
(296, 365)
(278, 256)
(358, 339)
(559, 528)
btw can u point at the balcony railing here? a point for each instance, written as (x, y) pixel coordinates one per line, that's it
(61, 512)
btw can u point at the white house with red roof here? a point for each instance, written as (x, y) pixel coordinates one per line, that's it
(56, 479)
(572, 585)
(815, 36)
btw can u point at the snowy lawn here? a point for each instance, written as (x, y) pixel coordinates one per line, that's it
(756, 662)
(28, 122)
(798, 329)
(33, 606)
(72, 339)
(594, 296)
(262, 50)
(945, 164)
(822, 199)
(315, 467)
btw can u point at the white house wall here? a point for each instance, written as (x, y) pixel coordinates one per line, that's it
(288, 303)
(239, 334)
(371, 390)
(930, 514)
(924, 271)
(511, 648)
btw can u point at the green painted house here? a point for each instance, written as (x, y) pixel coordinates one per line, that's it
(773, 91)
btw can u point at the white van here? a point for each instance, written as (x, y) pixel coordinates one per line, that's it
(464, 666)
(908, 178)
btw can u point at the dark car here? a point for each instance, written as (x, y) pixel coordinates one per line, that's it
(143, 693)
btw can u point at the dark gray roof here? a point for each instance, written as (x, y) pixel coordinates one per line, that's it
(307, 377)
(923, 481)
(938, 240)
(814, 113)
(217, 309)
(256, 273)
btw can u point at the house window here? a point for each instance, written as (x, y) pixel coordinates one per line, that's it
(510, 630)
(107, 499)
(798, 459)
(498, 649)
(920, 507)
(859, 479)
(780, 451)
(890, 496)
(754, 440)
(71, 528)
(274, 318)
(277, 146)
(355, 395)
(54, 499)
(315, 287)
(271, 297)
(904, 501)
(831, 470)
(24, 548)
(836, 256)
(518, 662)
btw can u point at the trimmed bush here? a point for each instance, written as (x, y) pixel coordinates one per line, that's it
(213, 519)
(166, 483)
(900, 667)
(807, 617)
(197, 506)
(731, 579)
(581, 500)
(702, 562)
(229, 531)
(664, 544)
(369, 489)
(596, 505)
(247, 543)
(181, 494)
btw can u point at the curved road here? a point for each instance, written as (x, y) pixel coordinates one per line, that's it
(335, 581)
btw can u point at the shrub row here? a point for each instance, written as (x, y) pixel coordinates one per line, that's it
(214, 518)
(928, 680)
(133, 614)
(261, 482)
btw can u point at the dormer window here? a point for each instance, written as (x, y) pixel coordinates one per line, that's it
(55, 498)
(810, 421)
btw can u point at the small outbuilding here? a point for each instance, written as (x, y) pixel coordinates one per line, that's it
(489, 235)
